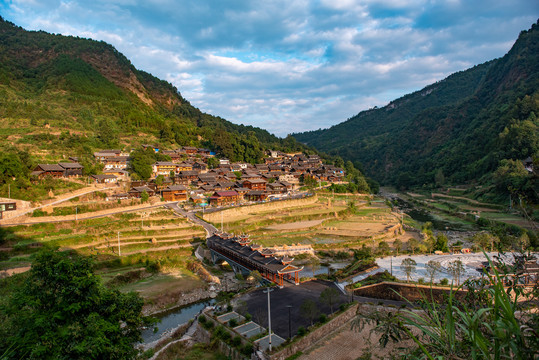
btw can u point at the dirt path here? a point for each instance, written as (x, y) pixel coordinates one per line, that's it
(296, 225)
(136, 243)
(84, 216)
(13, 271)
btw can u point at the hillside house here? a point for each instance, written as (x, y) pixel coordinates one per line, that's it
(52, 170)
(72, 169)
(103, 179)
(163, 168)
(255, 184)
(137, 191)
(220, 198)
(116, 162)
(175, 193)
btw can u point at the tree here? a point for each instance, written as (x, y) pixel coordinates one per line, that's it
(456, 269)
(63, 311)
(413, 244)
(441, 243)
(159, 180)
(383, 247)
(432, 268)
(309, 310)
(485, 240)
(213, 162)
(397, 244)
(329, 296)
(315, 264)
(144, 197)
(408, 266)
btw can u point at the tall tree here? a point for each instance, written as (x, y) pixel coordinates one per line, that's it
(432, 268)
(329, 296)
(64, 312)
(408, 265)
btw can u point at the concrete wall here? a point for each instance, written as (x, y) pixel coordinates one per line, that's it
(258, 208)
(314, 336)
(411, 292)
(22, 207)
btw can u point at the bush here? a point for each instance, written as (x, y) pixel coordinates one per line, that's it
(226, 336)
(421, 281)
(301, 331)
(202, 319)
(236, 341)
(247, 349)
(323, 318)
(248, 317)
(444, 281)
(208, 325)
(233, 323)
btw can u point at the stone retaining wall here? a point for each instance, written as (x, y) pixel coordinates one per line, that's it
(411, 292)
(249, 209)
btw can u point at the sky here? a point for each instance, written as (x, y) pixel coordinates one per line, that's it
(293, 65)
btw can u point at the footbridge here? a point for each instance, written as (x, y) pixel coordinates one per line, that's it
(245, 257)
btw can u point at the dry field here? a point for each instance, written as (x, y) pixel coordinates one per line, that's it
(324, 222)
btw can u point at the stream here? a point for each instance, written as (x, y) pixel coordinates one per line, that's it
(170, 320)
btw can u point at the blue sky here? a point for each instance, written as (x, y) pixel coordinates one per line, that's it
(291, 65)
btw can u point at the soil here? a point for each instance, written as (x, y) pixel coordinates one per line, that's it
(296, 225)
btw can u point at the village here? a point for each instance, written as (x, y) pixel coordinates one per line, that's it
(188, 177)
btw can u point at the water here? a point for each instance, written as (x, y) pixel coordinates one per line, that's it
(323, 269)
(172, 319)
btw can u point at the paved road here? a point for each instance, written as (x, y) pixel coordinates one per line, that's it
(61, 201)
(82, 218)
(191, 215)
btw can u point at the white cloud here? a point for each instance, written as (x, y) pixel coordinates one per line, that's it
(290, 66)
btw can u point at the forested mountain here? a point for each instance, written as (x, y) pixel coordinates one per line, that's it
(458, 129)
(66, 96)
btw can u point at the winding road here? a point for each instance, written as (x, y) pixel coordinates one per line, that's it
(191, 215)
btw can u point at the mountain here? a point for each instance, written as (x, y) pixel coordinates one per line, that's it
(67, 96)
(458, 129)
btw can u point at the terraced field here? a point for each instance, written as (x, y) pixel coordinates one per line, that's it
(150, 237)
(328, 222)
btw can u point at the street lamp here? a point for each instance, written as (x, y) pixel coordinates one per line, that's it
(289, 323)
(268, 290)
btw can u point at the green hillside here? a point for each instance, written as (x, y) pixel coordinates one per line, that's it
(66, 96)
(457, 130)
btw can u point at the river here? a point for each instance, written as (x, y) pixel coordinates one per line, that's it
(170, 320)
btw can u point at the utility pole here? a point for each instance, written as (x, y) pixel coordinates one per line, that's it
(289, 323)
(268, 290)
(119, 250)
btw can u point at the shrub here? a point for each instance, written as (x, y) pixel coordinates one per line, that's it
(233, 323)
(248, 317)
(236, 341)
(421, 281)
(226, 336)
(323, 318)
(202, 319)
(247, 349)
(301, 331)
(208, 325)
(444, 281)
